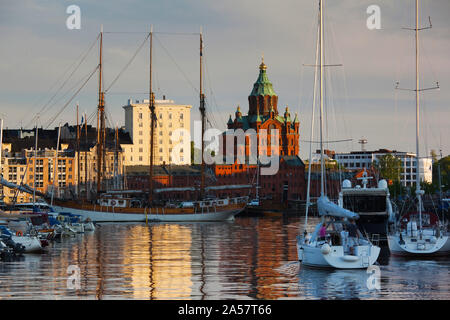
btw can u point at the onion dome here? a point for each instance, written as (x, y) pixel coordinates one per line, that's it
(262, 86)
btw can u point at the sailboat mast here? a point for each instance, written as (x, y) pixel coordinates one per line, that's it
(418, 192)
(78, 155)
(35, 160)
(116, 160)
(100, 119)
(202, 112)
(322, 171)
(85, 157)
(55, 166)
(308, 189)
(152, 122)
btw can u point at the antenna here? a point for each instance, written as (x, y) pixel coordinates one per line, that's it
(363, 143)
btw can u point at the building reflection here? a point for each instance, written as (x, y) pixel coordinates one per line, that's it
(157, 261)
(235, 260)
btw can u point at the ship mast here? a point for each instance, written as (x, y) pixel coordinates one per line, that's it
(100, 120)
(418, 191)
(85, 157)
(202, 112)
(78, 155)
(322, 167)
(152, 123)
(116, 160)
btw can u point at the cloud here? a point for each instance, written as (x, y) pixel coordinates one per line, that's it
(38, 49)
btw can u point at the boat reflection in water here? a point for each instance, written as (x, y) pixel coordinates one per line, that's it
(335, 284)
(250, 258)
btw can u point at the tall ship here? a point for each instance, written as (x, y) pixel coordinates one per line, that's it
(121, 206)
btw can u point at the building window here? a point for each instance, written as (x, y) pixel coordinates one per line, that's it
(140, 149)
(181, 116)
(170, 116)
(140, 158)
(140, 115)
(160, 116)
(140, 141)
(160, 133)
(140, 133)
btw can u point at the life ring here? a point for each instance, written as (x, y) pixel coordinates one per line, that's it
(60, 218)
(19, 233)
(113, 202)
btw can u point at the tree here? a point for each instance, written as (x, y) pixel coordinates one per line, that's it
(396, 189)
(389, 167)
(444, 163)
(428, 188)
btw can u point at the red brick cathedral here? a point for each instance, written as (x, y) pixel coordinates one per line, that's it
(263, 114)
(288, 183)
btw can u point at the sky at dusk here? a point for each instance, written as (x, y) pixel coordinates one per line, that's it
(38, 52)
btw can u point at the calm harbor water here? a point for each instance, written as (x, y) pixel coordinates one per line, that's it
(250, 258)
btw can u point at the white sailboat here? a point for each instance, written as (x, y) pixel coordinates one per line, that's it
(332, 250)
(428, 238)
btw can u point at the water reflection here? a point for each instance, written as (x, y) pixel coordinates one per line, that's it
(251, 258)
(335, 284)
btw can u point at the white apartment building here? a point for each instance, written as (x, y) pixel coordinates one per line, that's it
(357, 160)
(171, 134)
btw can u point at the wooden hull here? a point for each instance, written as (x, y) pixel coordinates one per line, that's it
(104, 214)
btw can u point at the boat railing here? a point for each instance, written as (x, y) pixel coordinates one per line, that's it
(375, 239)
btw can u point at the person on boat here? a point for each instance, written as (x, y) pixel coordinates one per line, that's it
(353, 235)
(323, 231)
(344, 237)
(401, 241)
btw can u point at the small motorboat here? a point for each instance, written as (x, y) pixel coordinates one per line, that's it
(31, 244)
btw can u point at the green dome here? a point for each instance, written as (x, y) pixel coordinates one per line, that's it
(262, 86)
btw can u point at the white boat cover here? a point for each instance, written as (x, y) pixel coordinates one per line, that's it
(328, 208)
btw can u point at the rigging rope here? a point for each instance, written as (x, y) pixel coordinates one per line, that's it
(70, 100)
(128, 63)
(176, 64)
(64, 83)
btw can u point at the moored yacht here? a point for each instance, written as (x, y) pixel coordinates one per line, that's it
(331, 248)
(424, 234)
(373, 205)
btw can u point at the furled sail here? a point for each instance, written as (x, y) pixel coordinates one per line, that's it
(328, 208)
